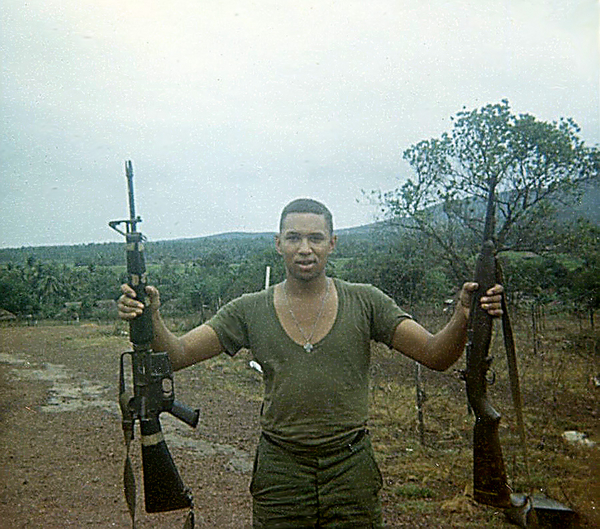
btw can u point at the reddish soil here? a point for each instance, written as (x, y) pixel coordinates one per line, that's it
(61, 447)
(64, 468)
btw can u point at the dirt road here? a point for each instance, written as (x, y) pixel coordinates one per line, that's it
(61, 448)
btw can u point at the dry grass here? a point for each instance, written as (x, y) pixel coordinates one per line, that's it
(558, 395)
(424, 484)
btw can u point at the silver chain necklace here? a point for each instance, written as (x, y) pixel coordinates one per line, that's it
(308, 346)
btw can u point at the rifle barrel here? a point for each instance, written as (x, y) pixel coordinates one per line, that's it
(490, 217)
(129, 172)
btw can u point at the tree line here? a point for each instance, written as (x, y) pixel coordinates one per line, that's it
(421, 251)
(403, 265)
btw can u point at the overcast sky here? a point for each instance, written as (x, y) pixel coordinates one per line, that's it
(231, 108)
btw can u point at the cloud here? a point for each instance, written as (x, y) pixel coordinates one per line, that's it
(229, 109)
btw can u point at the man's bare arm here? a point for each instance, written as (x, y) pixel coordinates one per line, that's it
(439, 351)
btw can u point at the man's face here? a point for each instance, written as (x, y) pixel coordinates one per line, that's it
(305, 244)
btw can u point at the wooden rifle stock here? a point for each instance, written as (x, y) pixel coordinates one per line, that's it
(489, 475)
(490, 484)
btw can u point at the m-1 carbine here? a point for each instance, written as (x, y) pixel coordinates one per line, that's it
(152, 393)
(490, 484)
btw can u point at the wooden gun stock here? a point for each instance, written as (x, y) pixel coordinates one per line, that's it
(489, 475)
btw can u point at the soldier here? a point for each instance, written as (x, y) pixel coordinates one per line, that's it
(311, 334)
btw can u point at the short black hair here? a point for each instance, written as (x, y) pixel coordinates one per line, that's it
(307, 205)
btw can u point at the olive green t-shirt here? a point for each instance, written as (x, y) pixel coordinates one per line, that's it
(316, 398)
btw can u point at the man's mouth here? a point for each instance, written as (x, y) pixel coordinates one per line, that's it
(305, 264)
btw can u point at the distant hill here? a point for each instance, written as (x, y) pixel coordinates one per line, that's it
(587, 207)
(226, 236)
(236, 244)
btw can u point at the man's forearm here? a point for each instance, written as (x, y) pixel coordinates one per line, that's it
(195, 346)
(165, 340)
(449, 343)
(435, 351)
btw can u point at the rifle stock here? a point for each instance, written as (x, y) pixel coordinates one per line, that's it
(489, 475)
(152, 390)
(163, 487)
(490, 484)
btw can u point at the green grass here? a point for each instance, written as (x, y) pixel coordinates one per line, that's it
(413, 491)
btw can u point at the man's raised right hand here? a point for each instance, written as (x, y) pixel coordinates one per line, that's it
(130, 307)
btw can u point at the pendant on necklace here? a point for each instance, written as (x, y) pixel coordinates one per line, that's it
(308, 347)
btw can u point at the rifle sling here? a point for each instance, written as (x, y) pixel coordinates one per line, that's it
(127, 423)
(128, 476)
(513, 374)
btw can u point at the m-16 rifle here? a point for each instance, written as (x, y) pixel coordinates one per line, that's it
(152, 394)
(490, 484)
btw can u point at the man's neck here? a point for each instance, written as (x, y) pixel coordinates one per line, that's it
(300, 288)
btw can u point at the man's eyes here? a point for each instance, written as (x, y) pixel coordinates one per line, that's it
(312, 238)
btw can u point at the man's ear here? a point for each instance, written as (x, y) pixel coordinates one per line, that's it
(278, 244)
(333, 243)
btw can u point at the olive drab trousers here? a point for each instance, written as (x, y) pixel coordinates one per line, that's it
(296, 490)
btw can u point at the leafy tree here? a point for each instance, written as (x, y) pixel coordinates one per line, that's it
(250, 274)
(15, 293)
(51, 291)
(533, 163)
(402, 268)
(583, 241)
